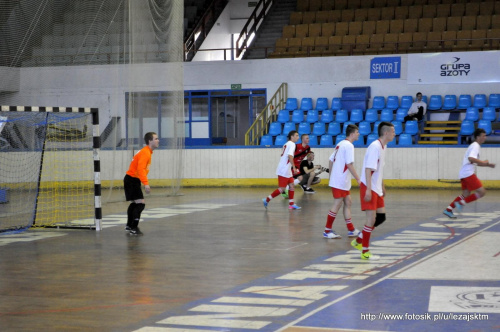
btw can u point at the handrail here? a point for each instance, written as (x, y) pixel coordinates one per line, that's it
(268, 114)
(200, 27)
(252, 25)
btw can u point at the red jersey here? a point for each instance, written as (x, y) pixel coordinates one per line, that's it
(300, 153)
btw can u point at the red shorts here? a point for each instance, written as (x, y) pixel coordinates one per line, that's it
(283, 182)
(339, 193)
(471, 183)
(376, 202)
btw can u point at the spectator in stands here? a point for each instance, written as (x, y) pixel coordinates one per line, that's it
(137, 173)
(467, 175)
(308, 173)
(417, 109)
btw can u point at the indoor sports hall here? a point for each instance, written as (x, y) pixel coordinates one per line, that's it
(221, 84)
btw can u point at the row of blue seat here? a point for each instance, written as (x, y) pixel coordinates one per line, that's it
(435, 102)
(334, 128)
(467, 127)
(327, 140)
(356, 115)
(489, 114)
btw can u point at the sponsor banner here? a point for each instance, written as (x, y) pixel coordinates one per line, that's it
(456, 67)
(385, 67)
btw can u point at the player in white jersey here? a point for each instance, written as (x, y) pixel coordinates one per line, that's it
(284, 172)
(372, 190)
(341, 168)
(468, 178)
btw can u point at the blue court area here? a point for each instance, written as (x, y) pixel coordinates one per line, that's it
(435, 275)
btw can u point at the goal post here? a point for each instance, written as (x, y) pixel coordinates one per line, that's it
(49, 167)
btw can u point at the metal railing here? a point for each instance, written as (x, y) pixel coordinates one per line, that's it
(269, 114)
(253, 23)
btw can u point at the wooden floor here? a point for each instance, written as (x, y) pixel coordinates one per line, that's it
(80, 280)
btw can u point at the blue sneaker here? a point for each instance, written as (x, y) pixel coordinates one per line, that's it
(449, 214)
(459, 207)
(265, 202)
(331, 235)
(294, 207)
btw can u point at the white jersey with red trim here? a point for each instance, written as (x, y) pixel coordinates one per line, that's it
(374, 159)
(469, 168)
(284, 167)
(340, 177)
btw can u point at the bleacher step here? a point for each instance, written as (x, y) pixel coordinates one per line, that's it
(438, 135)
(438, 142)
(442, 128)
(444, 122)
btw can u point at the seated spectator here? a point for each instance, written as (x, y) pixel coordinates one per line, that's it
(417, 109)
(309, 173)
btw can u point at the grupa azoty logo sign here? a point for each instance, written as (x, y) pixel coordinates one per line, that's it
(456, 67)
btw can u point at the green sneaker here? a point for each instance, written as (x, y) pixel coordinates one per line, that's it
(356, 245)
(368, 256)
(285, 194)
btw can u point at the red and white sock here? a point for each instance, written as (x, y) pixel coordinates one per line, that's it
(348, 223)
(367, 231)
(470, 198)
(329, 221)
(453, 204)
(274, 194)
(291, 193)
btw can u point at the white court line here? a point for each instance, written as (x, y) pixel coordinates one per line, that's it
(383, 278)
(299, 245)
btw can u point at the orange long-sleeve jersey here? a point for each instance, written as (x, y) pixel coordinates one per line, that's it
(139, 167)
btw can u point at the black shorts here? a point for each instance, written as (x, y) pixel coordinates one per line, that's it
(132, 188)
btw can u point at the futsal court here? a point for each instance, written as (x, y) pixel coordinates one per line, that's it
(216, 260)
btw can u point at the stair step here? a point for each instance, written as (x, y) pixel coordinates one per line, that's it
(438, 135)
(442, 128)
(438, 142)
(443, 122)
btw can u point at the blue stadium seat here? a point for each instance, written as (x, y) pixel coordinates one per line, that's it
(322, 104)
(275, 129)
(312, 116)
(281, 140)
(370, 138)
(375, 127)
(486, 125)
(494, 100)
(406, 101)
(371, 115)
(405, 140)
(313, 140)
(341, 116)
(472, 114)
(306, 104)
(398, 127)
(467, 128)
(304, 128)
(336, 104)
(480, 101)
(435, 103)
(401, 113)
(333, 129)
(411, 127)
(291, 104)
(450, 102)
(326, 140)
(284, 116)
(392, 143)
(298, 116)
(339, 138)
(319, 128)
(424, 99)
(288, 127)
(464, 102)
(344, 126)
(364, 128)
(489, 113)
(356, 115)
(392, 102)
(378, 102)
(327, 116)
(266, 140)
(359, 142)
(387, 115)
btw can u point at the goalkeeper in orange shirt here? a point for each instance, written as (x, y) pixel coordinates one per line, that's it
(137, 174)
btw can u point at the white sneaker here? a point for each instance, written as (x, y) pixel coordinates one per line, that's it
(353, 233)
(331, 235)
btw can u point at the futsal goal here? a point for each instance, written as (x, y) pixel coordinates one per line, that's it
(49, 168)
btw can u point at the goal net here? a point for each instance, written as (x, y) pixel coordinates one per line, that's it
(49, 168)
